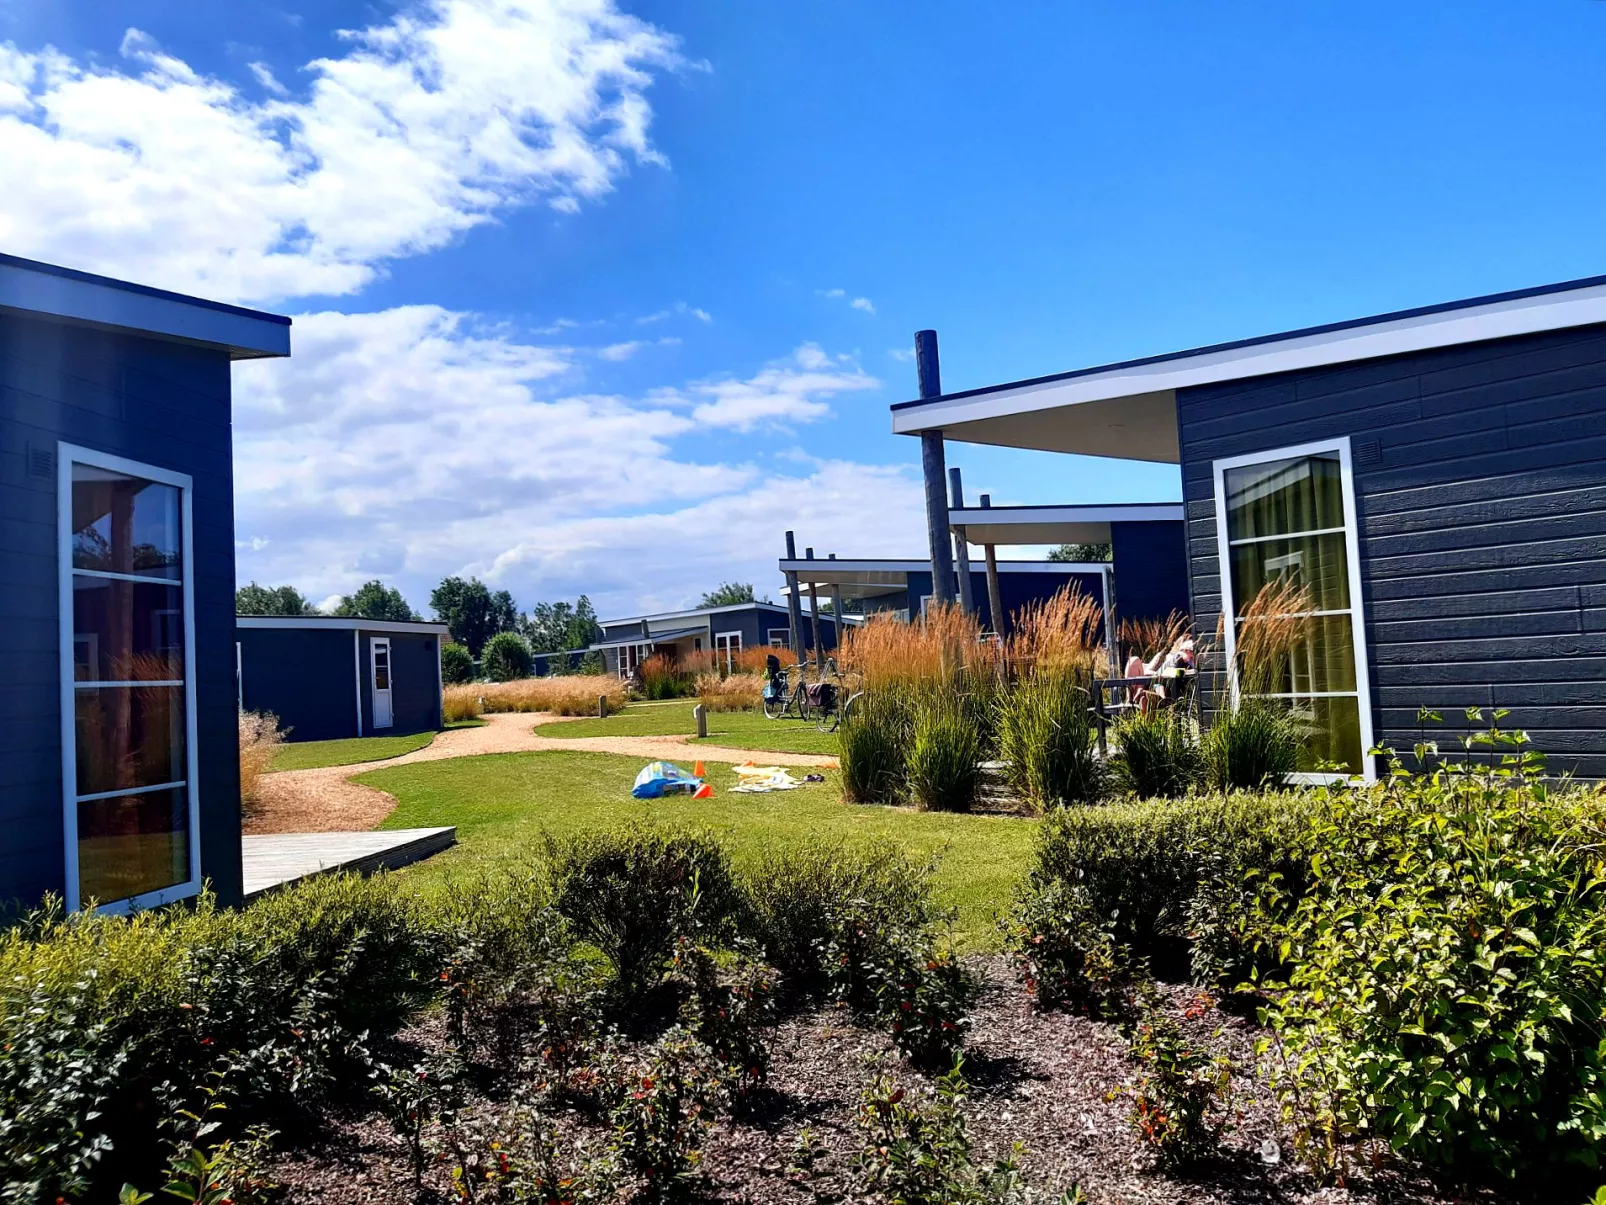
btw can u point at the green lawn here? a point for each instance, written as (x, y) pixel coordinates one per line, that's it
(312, 755)
(739, 729)
(500, 804)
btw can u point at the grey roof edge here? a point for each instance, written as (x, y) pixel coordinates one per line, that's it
(1426, 311)
(32, 288)
(341, 623)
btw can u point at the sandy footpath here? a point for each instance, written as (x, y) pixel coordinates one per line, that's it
(325, 800)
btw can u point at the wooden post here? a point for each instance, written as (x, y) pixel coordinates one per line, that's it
(602, 707)
(994, 603)
(814, 613)
(836, 618)
(700, 714)
(931, 464)
(794, 604)
(961, 545)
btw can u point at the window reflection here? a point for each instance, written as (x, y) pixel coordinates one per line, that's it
(127, 631)
(131, 844)
(122, 524)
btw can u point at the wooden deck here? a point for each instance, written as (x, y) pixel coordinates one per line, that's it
(282, 858)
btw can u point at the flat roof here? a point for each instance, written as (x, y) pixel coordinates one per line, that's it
(667, 637)
(693, 613)
(872, 578)
(340, 623)
(1060, 524)
(33, 288)
(1127, 410)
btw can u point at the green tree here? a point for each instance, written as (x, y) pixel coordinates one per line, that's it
(375, 600)
(456, 665)
(506, 657)
(270, 600)
(1081, 553)
(472, 612)
(728, 594)
(560, 626)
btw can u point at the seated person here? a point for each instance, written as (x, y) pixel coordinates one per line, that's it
(1179, 661)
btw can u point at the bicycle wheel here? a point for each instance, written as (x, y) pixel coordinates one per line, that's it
(774, 704)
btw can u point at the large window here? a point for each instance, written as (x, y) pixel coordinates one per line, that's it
(1289, 516)
(128, 703)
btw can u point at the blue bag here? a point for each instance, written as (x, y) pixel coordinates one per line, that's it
(661, 778)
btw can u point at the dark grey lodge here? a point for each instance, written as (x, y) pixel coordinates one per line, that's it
(1435, 478)
(327, 678)
(119, 747)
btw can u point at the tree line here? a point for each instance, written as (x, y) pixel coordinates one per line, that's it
(467, 606)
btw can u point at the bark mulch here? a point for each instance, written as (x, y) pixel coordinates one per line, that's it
(1049, 1081)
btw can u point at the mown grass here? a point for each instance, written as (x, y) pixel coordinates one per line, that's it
(313, 755)
(737, 729)
(501, 803)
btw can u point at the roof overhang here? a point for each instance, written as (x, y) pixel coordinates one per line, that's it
(637, 638)
(1055, 524)
(874, 578)
(1128, 410)
(37, 290)
(341, 623)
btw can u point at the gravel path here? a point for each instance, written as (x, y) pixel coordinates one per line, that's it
(325, 800)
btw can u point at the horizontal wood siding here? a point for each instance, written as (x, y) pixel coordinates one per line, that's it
(304, 676)
(1482, 521)
(162, 404)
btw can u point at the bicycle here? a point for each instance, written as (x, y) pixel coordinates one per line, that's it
(780, 696)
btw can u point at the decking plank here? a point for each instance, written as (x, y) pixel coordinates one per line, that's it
(278, 859)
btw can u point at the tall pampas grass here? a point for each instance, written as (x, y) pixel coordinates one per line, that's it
(730, 692)
(565, 694)
(1150, 637)
(1275, 623)
(1060, 634)
(260, 740)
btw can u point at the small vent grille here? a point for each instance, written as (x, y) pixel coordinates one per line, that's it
(41, 461)
(1369, 452)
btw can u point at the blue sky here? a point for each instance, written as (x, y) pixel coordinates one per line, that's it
(635, 391)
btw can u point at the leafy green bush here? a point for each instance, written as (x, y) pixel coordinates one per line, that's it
(112, 1022)
(633, 891)
(664, 1105)
(926, 996)
(1045, 737)
(1180, 1103)
(1448, 988)
(873, 747)
(729, 1006)
(944, 755)
(1159, 754)
(457, 664)
(1251, 746)
(820, 910)
(506, 657)
(1066, 956)
(1141, 864)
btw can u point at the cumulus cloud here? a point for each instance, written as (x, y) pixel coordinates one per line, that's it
(422, 128)
(863, 304)
(679, 309)
(414, 442)
(623, 351)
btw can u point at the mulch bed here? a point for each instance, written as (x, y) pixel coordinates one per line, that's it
(1046, 1080)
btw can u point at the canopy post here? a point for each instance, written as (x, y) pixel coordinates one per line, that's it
(814, 614)
(994, 605)
(961, 545)
(794, 605)
(931, 464)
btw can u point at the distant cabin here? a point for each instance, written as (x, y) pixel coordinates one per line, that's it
(721, 631)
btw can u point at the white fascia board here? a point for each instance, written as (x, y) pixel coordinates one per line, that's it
(76, 297)
(340, 624)
(1504, 319)
(840, 567)
(1025, 515)
(698, 613)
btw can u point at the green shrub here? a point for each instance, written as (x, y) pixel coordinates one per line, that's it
(729, 1007)
(632, 892)
(1448, 988)
(506, 657)
(1251, 746)
(1066, 956)
(819, 910)
(944, 755)
(1159, 754)
(1180, 1103)
(925, 995)
(1046, 738)
(873, 747)
(112, 1022)
(457, 664)
(665, 1103)
(1142, 864)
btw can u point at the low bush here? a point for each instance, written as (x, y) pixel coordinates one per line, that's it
(944, 755)
(632, 892)
(111, 1022)
(729, 1006)
(665, 1103)
(1159, 756)
(1447, 986)
(661, 678)
(1255, 744)
(1066, 955)
(260, 741)
(457, 664)
(1141, 865)
(1181, 1103)
(822, 911)
(873, 747)
(1046, 738)
(925, 995)
(730, 692)
(506, 658)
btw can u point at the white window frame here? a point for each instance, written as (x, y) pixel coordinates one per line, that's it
(723, 647)
(780, 637)
(373, 681)
(1356, 609)
(67, 455)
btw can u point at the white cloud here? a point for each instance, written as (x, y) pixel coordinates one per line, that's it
(623, 351)
(680, 308)
(412, 443)
(790, 390)
(862, 303)
(835, 294)
(902, 354)
(422, 128)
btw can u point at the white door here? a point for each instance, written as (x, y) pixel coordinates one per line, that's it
(379, 660)
(727, 645)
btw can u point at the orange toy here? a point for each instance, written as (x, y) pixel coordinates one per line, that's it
(703, 792)
(698, 771)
